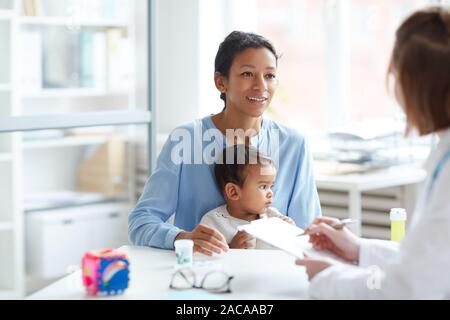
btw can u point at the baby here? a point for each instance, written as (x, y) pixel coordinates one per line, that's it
(246, 178)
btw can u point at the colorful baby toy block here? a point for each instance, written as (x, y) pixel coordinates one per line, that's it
(105, 272)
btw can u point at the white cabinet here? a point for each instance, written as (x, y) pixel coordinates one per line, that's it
(57, 239)
(368, 197)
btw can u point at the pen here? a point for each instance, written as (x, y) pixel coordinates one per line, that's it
(342, 223)
(338, 226)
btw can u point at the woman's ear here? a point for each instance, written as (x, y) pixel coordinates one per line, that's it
(220, 82)
(232, 191)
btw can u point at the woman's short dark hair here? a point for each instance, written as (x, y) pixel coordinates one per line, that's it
(421, 60)
(234, 43)
(232, 163)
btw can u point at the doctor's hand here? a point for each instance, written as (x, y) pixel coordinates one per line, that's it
(342, 242)
(207, 240)
(242, 240)
(314, 265)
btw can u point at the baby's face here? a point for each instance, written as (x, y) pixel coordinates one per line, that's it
(256, 193)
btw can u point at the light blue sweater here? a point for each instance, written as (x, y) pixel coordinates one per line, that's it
(189, 189)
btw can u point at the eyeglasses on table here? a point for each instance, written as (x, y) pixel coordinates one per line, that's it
(213, 281)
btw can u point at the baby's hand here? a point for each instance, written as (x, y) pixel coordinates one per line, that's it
(275, 213)
(286, 219)
(242, 240)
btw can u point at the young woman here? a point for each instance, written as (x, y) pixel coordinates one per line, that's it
(418, 269)
(183, 182)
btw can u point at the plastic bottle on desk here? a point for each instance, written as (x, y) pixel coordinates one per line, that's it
(398, 223)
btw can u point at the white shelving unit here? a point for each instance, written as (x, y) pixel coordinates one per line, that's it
(11, 226)
(53, 163)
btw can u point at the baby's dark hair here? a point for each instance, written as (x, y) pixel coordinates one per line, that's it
(232, 163)
(234, 43)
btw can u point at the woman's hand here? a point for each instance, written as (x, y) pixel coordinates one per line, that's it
(342, 242)
(314, 265)
(242, 240)
(207, 240)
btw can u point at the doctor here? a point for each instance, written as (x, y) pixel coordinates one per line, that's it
(418, 268)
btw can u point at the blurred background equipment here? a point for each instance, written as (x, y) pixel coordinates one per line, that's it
(103, 169)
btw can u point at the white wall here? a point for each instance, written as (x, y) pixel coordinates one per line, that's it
(212, 24)
(188, 35)
(217, 19)
(178, 58)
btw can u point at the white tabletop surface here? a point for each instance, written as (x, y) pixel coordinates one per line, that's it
(258, 274)
(378, 179)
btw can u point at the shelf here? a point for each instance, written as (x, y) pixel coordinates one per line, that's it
(68, 21)
(73, 120)
(64, 142)
(66, 199)
(67, 206)
(6, 226)
(75, 92)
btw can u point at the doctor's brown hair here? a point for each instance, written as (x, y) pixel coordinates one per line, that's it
(421, 62)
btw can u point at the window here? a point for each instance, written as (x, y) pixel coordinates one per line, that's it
(334, 59)
(372, 36)
(296, 29)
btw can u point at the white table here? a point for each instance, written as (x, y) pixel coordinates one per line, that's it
(357, 183)
(258, 274)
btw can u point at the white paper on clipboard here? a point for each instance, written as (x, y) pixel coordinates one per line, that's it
(283, 235)
(278, 233)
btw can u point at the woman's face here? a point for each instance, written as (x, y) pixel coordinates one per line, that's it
(251, 82)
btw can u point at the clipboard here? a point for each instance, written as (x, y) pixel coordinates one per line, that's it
(284, 236)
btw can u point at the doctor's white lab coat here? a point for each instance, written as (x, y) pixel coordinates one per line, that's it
(417, 269)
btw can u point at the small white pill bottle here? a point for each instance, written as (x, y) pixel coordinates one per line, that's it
(184, 252)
